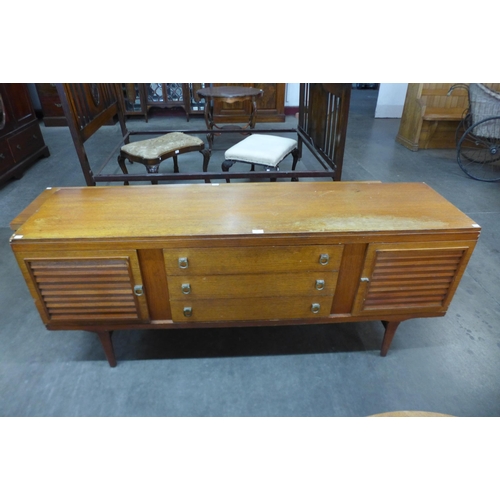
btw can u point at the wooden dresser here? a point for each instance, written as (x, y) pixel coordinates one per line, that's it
(53, 113)
(270, 107)
(21, 140)
(241, 254)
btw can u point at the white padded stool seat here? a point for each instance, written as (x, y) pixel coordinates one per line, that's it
(150, 149)
(261, 149)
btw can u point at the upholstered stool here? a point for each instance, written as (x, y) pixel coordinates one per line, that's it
(265, 150)
(151, 152)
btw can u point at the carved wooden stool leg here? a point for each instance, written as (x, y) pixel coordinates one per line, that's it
(121, 162)
(296, 156)
(210, 140)
(176, 165)
(226, 165)
(107, 345)
(206, 158)
(153, 169)
(390, 330)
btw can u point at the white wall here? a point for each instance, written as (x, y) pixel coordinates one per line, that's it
(391, 99)
(292, 93)
(390, 102)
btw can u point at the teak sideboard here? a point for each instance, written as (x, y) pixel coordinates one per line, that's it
(242, 254)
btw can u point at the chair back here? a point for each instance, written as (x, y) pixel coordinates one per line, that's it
(87, 107)
(322, 126)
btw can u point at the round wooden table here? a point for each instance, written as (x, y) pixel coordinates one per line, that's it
(228, 94)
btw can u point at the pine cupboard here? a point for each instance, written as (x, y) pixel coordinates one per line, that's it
(242, 254)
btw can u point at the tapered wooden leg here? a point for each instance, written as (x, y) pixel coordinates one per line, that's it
(390, 330)
(107, 345)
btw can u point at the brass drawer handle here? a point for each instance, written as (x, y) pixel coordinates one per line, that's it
(138, 290)
(58, 105)
(320, 284)
(188, 312)
(324, 258)
(2, 156)
(183, 263)
(19, 147)
(186, 288)
(315, 308)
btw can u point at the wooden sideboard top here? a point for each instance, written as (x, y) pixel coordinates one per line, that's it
(239, 209)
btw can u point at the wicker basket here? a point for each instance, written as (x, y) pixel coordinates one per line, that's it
(485, 103)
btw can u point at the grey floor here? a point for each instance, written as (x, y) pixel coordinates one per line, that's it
(448, 365)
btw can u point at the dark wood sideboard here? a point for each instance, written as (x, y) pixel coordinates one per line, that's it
(244, 254)
(21, 140)
(270, 107)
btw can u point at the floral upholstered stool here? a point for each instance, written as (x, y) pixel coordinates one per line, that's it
(151, 152)
(265, 150)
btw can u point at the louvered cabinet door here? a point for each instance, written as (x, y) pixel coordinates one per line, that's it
(410, 277)
(78, 287)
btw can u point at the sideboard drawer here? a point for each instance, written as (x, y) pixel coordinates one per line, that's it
(237, 260)
(25, 143)
(247, 309)
(52, 106)
(6, 159)
(252, 285)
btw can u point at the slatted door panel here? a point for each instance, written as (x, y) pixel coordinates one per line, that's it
(87, 289)
(399, 278)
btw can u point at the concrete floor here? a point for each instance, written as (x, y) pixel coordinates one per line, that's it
(448, 365)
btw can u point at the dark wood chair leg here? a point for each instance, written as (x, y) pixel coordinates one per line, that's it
(176, 165)
(390, 330)
(107, 345)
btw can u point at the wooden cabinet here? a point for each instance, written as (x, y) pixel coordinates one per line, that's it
(52, 110)
(432, 115)
(83, 288)
(270, 107)
(245, 254)
(405, 278)
(139, 98)
(21, 140)
(134, 100)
